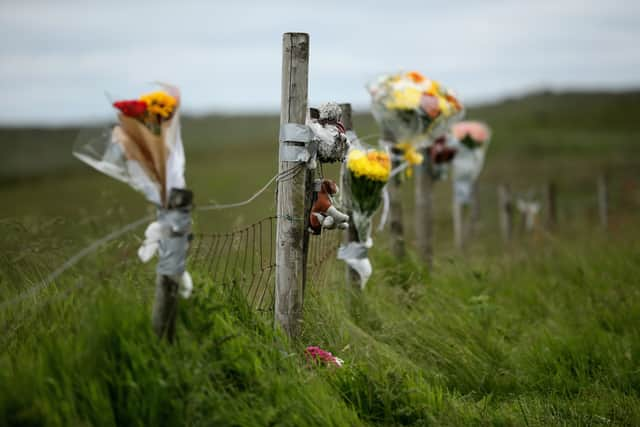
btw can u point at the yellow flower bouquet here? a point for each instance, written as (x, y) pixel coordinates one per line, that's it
(369, 172)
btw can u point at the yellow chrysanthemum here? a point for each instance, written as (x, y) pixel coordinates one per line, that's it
(374, 165)
(160, 103)
(411, 156)
(405, 98)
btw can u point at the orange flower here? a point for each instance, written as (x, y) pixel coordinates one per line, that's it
(382, 158)
(453, 100)
(416, 76)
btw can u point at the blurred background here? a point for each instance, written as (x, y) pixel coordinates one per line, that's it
(556, 80)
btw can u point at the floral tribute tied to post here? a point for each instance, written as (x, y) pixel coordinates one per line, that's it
(413, 110)
(472, 139)
(368, 171)
(144, 149)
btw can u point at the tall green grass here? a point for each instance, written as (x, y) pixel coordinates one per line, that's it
(540, 337)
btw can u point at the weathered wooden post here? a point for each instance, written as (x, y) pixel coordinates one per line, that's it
(350, 234)
(457, 211)
(290, 268)
(552, 205)
(394, 187)
(424, 211)
(603, 201)
(165, 305)
(474, 212)
(506, 211)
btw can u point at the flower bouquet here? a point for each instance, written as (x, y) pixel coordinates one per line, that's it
(471, 134)
(368, 172)
(472, 141)
(413, 108)
(316, 355)
(144, 149)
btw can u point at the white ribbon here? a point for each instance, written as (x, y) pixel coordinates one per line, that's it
(355, 255)
(155, 232)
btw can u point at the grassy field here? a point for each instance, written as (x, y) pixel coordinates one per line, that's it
(544, 331)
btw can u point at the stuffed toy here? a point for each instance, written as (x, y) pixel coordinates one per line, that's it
(323, 213)
(329, 132)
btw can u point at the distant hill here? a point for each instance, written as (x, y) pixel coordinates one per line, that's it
(543, 122)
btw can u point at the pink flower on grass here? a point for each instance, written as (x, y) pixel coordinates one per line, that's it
(316, 354)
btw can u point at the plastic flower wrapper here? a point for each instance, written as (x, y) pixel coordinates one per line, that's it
(472, 140)
(368, 171)
(414, 109)
(329, 133)
(144, 149)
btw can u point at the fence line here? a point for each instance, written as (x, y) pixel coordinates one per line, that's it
(585, 200)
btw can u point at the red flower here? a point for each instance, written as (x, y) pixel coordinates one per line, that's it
(439, 152)
(133, 108)
(316, 354)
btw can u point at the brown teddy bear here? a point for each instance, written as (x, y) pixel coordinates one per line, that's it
(323, 213)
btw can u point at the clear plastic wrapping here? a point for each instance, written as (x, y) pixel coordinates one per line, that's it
(367, 171)
(412, 108)
(144, 149)
(472, 140)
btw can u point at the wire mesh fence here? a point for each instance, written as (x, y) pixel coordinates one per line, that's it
(244, 259)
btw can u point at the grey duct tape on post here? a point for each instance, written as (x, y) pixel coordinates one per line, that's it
(172, 250)
(296, 143)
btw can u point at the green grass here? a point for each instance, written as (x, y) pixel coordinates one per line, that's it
(541, 337)
(544, 331)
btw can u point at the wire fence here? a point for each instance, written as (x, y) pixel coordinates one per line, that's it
(245, 259)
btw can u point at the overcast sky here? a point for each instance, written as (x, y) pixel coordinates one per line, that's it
(59, 57)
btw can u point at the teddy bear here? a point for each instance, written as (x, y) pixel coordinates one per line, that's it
(323, 213)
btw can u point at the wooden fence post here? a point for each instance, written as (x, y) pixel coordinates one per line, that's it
(474, 212)
(290, 268)
(165, 304)
(552, 205)
(424, 211)
(350, 234)
(394, 187)
(603, 201)
(506, 210)
(457, 211)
